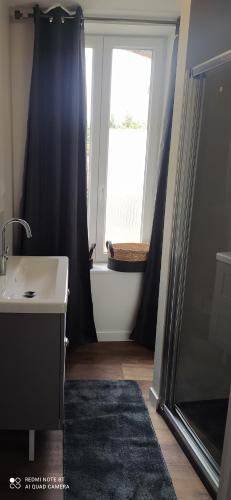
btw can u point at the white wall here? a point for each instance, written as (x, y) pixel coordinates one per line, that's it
(150, 8)
(22, 36)
(180, 76)
(115, 301)
(5, 116)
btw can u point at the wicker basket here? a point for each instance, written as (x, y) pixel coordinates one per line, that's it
(127, 257)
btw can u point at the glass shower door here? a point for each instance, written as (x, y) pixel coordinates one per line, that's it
(204, 359)
(202, 365)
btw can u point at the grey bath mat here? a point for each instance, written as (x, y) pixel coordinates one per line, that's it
(110, 449)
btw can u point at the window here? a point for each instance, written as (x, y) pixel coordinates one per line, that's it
(125, 92)
(129, 105)
(88, 57)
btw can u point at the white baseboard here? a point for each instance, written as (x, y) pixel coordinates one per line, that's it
(113, 336)
(154, 399)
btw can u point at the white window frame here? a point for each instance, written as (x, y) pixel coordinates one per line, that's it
(96, 43)
(103, 46)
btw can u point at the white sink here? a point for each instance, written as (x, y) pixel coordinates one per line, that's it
(46, 276)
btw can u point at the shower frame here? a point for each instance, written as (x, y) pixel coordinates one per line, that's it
(183, 203)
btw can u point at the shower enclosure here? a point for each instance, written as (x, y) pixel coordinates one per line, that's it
(197, 359)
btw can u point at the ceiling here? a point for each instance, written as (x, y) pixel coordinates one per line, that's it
(137, 8)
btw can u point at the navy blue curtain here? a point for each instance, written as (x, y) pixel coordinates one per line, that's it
(54, 198)
(145, 327)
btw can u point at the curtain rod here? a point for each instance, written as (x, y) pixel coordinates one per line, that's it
(23, 14)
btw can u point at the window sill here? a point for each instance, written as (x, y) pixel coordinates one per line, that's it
(101, 267)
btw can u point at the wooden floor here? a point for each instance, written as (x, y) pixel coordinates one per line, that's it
(110, 361)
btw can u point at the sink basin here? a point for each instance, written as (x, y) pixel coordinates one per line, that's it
(46, 277)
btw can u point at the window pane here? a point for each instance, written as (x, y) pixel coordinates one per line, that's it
(131, 74)
(88, 58)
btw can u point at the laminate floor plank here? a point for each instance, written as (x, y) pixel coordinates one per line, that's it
(109, 361)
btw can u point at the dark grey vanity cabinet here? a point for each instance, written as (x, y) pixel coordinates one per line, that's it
(32, 357)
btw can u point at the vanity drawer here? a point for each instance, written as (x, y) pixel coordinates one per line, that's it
(31, 370)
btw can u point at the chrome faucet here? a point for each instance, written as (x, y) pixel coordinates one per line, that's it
(4, 253)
